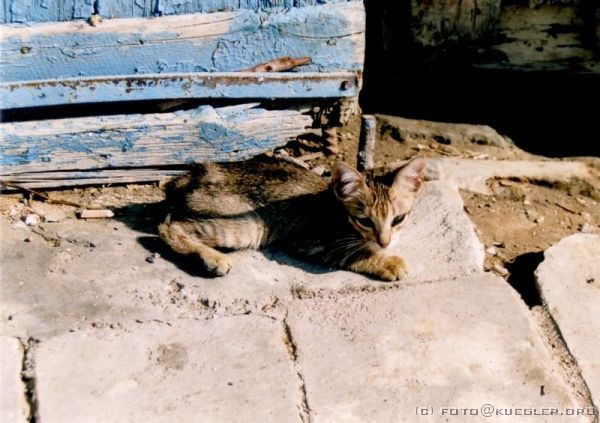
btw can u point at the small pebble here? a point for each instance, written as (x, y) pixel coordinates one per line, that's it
(28, 239)
(526, 202)
(152, 257)
(586, 228)
(319, 170)
(32, 220)
(498, 244)
(491, 250)
(95, 20)
(539, 219)
(501, 270)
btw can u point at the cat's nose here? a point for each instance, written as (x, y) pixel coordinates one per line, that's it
(383, 240)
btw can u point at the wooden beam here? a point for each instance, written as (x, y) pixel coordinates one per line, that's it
(91, 177)
(545, 38)
(179, 85)
(204, 134)
(331, 35)
(21, 11)
(67, 10)
(437, 22)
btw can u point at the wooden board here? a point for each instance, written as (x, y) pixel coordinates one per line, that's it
(331, 35)
(92, 177)
(434, 23)
(546, 38)
(179, 85)
(204, 134)
(44, 10)
(67, 10)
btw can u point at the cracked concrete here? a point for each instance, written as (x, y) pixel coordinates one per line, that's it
(217, 370)
(124, 338)
(569, 283)
(13, 404)
(461, 343)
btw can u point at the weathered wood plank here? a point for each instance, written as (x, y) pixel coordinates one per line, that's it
(91, 177)
(203, 134)
(67, 10)
(546, 38)
(22, 11)
(179, 85)
(110, 9)
(437, 22)
(331, 35)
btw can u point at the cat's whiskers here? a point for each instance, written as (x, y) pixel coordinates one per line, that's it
(347, 246)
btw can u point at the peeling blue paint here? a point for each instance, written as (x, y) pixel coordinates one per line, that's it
(29, 11)
(321, 33)
(83, 9)
(159, 86)
(128, 143)
(119, 145)
(66, 10)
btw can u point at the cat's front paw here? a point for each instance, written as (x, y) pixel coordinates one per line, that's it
(393, 268)
(217, 264)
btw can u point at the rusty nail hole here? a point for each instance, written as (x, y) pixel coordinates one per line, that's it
(25, 50)
(345, 85)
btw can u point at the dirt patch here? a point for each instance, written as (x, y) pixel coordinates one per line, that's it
(524, 217)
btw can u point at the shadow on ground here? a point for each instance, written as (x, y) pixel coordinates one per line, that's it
(146, 217)
(522, 277)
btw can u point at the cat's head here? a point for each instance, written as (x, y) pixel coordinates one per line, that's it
(378, 203)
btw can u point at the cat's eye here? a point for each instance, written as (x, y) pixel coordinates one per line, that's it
(365, 222)
(398, 219)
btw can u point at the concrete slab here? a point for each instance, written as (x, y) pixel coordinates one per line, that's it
(13, 405)
(569, 282)
(221, 370)
(99, 270)
(429, 350)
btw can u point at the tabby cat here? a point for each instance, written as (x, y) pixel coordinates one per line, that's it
(345, 224)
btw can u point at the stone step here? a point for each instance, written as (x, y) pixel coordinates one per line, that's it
(429, 350)
(569, 283)
(13, 404)
(222, 370)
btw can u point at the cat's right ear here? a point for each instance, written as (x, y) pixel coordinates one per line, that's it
(348, 183)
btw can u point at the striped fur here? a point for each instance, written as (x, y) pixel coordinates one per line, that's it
(346, 223)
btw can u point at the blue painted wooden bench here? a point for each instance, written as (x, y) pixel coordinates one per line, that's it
(53, 54)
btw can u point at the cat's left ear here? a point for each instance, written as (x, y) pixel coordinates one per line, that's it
(410, 177)
(348, 183)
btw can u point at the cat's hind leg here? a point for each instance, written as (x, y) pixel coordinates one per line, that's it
(183, 238)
